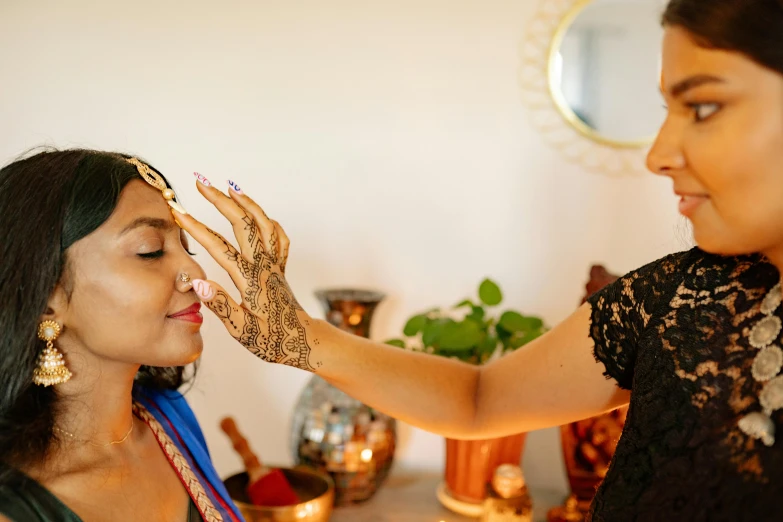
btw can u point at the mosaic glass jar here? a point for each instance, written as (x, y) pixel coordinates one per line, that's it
(332, 431)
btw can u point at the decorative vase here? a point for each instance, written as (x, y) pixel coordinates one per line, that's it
(470, 465)
(588, 448)
(335, 433)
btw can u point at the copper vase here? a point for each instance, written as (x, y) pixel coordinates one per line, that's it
(471, 463)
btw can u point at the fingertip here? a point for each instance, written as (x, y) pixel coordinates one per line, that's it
(177, 208)
(202, 180)
(234, 189)
(205, 290)
(181, 219)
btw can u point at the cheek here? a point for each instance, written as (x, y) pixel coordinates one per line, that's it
(737, 162)
(749, 171)
(120, 310)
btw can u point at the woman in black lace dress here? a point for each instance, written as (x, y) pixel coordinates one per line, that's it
(691, 341)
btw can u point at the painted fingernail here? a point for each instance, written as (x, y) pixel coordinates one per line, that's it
(235, 187)
(201, 179)
(177, 207)
(203, 289)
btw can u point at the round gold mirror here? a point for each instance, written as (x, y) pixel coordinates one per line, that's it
(603, 70)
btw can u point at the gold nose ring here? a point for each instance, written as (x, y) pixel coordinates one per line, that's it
(184, 277)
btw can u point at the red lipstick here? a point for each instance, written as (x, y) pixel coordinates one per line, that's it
(191, 314)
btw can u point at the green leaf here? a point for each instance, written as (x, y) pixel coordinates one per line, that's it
(521, 339)
(517, 340)
(477, 314)
(460, 336)
(415, 325)
(488, 344)
(514, 322)
(489, 293)
(533, 323)
(502, 332)
(431, 333)
(466, 302)
(399, 343)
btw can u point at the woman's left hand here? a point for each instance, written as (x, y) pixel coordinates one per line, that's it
(269, 322)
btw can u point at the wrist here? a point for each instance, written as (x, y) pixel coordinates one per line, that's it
(315, 330)
(318, 335)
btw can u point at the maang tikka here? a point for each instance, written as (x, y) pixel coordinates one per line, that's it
(51, 366)
(154, 179)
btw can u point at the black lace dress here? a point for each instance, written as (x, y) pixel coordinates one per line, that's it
(675, 333)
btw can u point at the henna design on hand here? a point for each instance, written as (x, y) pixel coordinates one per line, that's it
(286, 333)
(273, 247)
(222, 308)
(249, 271)
(271, 327)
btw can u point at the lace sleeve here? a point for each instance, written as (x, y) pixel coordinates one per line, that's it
(620, 313)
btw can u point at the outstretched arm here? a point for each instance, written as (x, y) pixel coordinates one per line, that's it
(551, 381)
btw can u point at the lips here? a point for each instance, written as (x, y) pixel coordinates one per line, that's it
(689, 204)
(191, 314)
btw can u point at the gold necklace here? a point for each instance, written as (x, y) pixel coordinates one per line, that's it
(766, 366)
(75, 439)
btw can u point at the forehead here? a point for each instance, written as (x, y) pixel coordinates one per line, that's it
(137, 199)
(682, 58)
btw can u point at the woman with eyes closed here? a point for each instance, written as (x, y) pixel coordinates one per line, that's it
(98, 320)
(691, 341)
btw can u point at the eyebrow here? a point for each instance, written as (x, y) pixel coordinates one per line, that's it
(691, 83)
(161, 224)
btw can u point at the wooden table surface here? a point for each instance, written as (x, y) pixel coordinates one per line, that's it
(409, 496)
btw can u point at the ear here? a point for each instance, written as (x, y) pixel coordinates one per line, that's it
(56, 306)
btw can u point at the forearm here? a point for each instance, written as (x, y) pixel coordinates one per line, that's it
(433, 393)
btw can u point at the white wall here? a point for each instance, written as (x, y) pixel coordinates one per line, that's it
(389, 138)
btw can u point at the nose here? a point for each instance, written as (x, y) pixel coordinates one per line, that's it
(189, 270)
(666, 155)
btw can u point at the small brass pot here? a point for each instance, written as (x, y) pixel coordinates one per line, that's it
(315, 490)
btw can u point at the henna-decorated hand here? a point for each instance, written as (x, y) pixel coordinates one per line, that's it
(269, 322)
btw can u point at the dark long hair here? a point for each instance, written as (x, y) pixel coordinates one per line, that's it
(751, 27)
(48, 201)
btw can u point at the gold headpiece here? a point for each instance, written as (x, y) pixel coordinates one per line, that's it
(154, 179)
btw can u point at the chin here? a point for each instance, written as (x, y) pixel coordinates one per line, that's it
(192, 355)
(184, 355)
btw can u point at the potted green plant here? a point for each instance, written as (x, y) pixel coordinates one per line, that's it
(475, 331)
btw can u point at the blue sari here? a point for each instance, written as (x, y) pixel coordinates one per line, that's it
(172, 422)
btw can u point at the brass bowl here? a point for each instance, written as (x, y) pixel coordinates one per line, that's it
(315, 490)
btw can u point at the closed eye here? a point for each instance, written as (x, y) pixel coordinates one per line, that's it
(159, 253)
(152, 255)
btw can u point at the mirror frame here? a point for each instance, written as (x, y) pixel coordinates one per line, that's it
(557, 96)
(579, 144)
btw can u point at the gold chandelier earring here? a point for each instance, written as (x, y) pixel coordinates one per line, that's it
(51, 366)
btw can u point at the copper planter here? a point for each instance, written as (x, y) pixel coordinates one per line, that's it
(471, 463)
